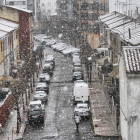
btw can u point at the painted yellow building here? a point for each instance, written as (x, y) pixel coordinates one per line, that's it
(9, 47)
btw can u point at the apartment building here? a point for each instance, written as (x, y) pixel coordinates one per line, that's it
(34, 5)
(9, 47)
(67, 10)
(24, 18)
(88, 13)
(17, 3)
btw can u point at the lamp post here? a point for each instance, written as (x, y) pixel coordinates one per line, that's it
(90, 69)
(18, 112)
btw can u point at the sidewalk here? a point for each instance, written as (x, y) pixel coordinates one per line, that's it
(12, 121)
(101, 114)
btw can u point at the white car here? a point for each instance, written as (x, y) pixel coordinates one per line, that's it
(75, 55)
(44, 77)
(40, 95)
(82, 109)
(34, 104)
(42, 87)
(76, 60)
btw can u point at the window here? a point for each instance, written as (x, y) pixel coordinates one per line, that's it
(11, 3)
(84, 15)
(84, 6)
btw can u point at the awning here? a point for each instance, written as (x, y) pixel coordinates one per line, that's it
(101, 61)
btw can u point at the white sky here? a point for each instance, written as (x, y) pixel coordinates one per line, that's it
(132, 7)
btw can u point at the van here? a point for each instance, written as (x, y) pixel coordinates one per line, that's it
(81, 92)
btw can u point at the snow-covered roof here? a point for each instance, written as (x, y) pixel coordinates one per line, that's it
(124, 33)
(132, 59)
(121, 24)
(2, 34)
(6, 28)
(8, 23)
(106, 15)
(20, 9)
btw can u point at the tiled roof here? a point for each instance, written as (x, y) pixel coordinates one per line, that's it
(132, 59)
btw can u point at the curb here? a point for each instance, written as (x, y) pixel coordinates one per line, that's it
(23, 130)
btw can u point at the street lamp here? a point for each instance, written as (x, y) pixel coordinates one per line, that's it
(89, 68)
(18, 112)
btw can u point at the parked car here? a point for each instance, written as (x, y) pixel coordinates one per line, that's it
(77, 76)
(34, 104)
(44, 77)
(35, 114)
(50, 61)
(40, 95)
(81, 92)
(42, 87)
(82, 109)
(76, 60)
(76, 69)
(76, 54)
(48, 68)
(77, 65)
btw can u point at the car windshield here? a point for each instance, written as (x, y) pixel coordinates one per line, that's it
(77, 73)
(82, 107)
(35, 105)
(34, 112)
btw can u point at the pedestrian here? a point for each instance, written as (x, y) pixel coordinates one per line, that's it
(77, 121)
(9, 111)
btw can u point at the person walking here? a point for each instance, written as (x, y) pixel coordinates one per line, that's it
(77, 121)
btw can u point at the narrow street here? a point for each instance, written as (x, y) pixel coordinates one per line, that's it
(59, 123)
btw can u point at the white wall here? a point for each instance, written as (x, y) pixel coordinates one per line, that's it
(129, 103)
(134, 105)
(123, 100)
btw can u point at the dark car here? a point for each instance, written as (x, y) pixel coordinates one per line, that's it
(35, 115)
(77, 76)
(76, 69)
(48, 68)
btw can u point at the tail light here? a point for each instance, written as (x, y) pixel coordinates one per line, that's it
(42, 115)
(29, 117)
(45, 87)
(44, 96)
(87, 111)
(76, 111)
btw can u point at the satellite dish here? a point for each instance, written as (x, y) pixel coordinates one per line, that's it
(135, 15)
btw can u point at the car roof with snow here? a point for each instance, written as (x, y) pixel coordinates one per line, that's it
(40, 92)
(81, 84)
(41, 85)
(82, 105)
(47, 65)
(35, 102)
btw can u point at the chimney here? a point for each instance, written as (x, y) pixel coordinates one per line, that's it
(129, 33)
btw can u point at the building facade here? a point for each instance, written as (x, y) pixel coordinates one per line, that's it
(9, 45)
(17, 3)
(34, 5)
(129, 77)
(25, 20)
(67, 10)
(116, 30)
(88, 13)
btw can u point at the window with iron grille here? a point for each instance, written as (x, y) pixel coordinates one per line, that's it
(84, 6)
